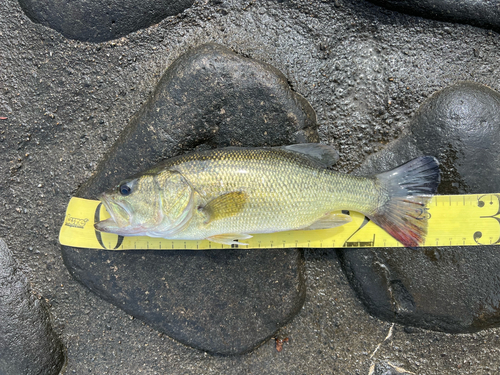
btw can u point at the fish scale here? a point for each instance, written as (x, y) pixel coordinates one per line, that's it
(285, 191)
(225, 195)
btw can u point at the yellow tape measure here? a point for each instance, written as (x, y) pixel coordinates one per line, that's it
(454, 220)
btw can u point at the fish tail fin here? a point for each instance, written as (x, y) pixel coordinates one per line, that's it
(408, 189)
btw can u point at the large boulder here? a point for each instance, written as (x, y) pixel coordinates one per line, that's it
(100, 20)
(440, 288)
(224, 301)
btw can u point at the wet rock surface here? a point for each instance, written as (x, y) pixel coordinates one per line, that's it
(225, 302)
(460, 125)
(98, 21)
(449, 289)
(220, 301)
(28, 345)
(364, 69)
(478, 13)
(209, 97)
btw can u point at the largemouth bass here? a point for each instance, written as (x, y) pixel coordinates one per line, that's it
(226, 195)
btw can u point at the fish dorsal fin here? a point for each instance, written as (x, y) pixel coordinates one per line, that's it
(326, 156)
(225, 205)
(330, 220)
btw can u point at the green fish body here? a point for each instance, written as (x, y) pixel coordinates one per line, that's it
(226, 195)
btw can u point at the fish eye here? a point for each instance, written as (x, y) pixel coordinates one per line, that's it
(125, 189)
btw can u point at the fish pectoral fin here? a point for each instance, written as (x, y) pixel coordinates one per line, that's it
(330, 220)
(225, 205)
(230, 238)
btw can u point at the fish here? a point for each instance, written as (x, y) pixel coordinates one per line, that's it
(227, 195)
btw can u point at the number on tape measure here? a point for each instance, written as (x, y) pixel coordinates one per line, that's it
(481, 203)
(454, 220)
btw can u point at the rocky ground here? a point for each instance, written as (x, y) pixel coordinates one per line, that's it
(364, 70)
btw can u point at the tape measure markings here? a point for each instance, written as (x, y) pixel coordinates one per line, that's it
(454, 220)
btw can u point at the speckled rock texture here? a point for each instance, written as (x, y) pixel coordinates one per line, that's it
(28, 345)
(449, 289)
(209, 97)
(388, 368)
(225, 302)
(364, 69)
(460, 125)
(482, 13)
(101, 20)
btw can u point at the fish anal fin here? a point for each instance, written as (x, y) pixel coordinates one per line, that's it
(330, 220)
(404, 219)
(230, 238)
(225, 205)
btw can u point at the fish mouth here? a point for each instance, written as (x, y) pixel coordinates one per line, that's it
(120, 215)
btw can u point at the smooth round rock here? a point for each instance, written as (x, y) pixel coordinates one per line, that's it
(220, 301)
(209, 97)
(452, 289)
(477, 13)
(460, 125)
(100, 20)
(28, 345)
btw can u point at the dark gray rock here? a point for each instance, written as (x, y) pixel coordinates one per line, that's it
(477, 13)
(447, 289)
(460, 125)
(28, 345)
(220, 301)
(224, 302)
(98, 21)
(209, 97)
